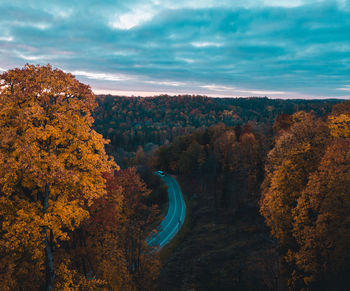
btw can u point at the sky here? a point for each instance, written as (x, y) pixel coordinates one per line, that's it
(273, 48)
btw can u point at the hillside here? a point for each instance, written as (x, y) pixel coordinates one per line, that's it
(130, 122)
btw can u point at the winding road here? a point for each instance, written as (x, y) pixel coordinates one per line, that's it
(175, 217)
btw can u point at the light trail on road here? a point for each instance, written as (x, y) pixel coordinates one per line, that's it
(175, 216)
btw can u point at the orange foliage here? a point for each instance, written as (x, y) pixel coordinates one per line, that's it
(296, 154)
(51, 165)
(112, 242)
(306, 200)
(340, 125)
(322, 222)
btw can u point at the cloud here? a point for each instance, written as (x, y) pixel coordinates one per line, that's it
(6, 38)
(102, 76)
(345, 88)
(131, 19)
(214, 87)
(32, 57)
(206, 44)
(250, 47)
(166, 83)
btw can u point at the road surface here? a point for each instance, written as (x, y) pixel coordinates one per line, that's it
(175, 217)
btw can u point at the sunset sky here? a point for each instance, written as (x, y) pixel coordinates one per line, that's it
(277, 48)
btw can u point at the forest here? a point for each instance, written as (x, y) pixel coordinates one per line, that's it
(135, 121)
(266, 183)
(300, 187)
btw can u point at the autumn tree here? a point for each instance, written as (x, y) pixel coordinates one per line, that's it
(94, 248)
(321, 224)
(188, 162)
(249, 168)
(296, 154)
(110, 245)
(282, 122)
(224, 148)
(136, 221)
(321, 218)
(306, 200)
(51, 165)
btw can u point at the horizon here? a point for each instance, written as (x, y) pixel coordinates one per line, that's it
(282, 50)
(157, 94)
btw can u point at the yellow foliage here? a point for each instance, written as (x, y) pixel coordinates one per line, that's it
(321, 218)
(296, 155)
(47, 150)
(306, 200)
(339, 125)
(68, 280)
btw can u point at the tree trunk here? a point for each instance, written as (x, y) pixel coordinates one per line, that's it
(50, 271)
(49, 267)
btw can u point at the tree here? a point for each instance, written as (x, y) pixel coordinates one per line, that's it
(322, 223)
(282, 122)
(340, 125)
(296, 155)
(110, 245)
(249, 167)
(306, 200)
(51, 165)
(136, 222)
(188, 162)
(225, 149)
(95, 246)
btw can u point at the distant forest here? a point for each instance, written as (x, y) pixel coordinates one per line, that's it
(130, 122)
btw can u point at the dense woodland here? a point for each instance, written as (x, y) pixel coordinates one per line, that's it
(304, 199)
(135, 121)
(301, 186)
(225, 153)
(266, 182)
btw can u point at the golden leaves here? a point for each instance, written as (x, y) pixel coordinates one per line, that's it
(306, 199)
(339, 125)
(47, 147)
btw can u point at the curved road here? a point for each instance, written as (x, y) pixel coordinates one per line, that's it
(175, 217)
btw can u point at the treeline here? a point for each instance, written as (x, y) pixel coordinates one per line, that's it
(133, 121)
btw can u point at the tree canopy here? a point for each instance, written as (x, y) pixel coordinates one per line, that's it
(51, 166)
(305, 199)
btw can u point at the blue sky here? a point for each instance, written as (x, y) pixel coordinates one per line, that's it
(279, 48)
